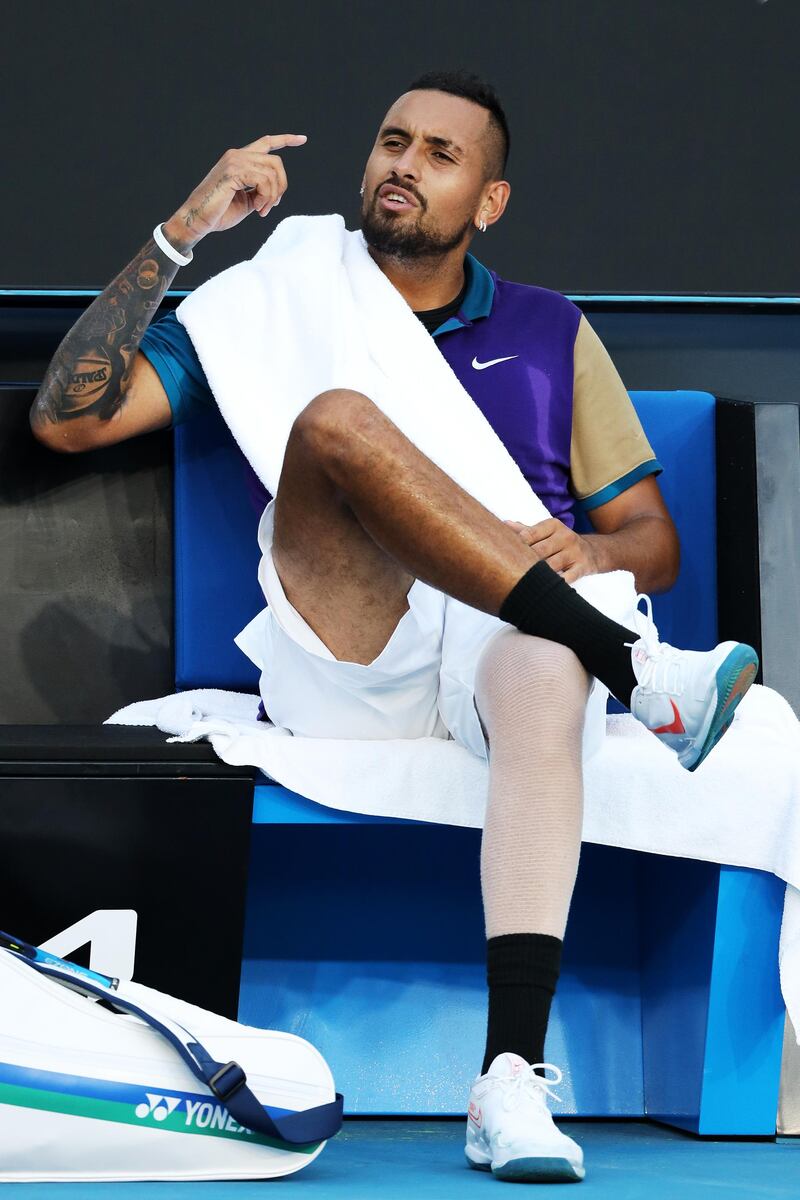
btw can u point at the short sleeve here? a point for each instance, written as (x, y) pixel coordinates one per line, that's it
(609, 451)
(167, 345)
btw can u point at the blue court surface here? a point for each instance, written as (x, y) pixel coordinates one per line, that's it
(424, 1159)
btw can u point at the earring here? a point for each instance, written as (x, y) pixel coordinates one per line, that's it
(482, 225)
(362, 191)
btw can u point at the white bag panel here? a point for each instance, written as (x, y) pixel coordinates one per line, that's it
(86, 1093)
(48, 1147)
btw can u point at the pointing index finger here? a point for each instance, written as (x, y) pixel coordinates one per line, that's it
(277, 141)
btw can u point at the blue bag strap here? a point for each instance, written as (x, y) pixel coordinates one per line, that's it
(227, 1081)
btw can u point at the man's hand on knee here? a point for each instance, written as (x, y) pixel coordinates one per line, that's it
(561, 548)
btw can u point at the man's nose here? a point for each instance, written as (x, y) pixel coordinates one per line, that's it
(407, 164)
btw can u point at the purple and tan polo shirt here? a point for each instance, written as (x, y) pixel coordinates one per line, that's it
(531, 362)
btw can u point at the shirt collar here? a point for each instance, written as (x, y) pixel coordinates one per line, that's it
(477, 300)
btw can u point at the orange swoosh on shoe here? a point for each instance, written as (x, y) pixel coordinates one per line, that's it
(676, 726)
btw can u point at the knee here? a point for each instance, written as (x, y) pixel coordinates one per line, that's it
(326, 425)
(516, 663)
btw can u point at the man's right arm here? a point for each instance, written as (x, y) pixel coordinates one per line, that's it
(99, 387)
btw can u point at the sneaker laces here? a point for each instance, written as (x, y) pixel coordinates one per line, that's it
(530, 1086)
(663, 668)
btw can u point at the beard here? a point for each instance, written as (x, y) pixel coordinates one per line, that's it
(394, 236)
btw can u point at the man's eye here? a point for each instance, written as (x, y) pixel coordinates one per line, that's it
(446, 157)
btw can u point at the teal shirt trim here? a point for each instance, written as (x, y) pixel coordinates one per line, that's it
(652, 467)
(478, 299)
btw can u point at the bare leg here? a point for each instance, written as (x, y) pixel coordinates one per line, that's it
(360, 514)
(531, 695)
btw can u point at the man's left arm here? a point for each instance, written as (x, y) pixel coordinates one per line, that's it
(634, 532)
(612, 474)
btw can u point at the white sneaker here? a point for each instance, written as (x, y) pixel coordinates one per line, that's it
(687, 698)
(510, 1129)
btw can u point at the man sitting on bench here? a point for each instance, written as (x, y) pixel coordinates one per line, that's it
(373, 555)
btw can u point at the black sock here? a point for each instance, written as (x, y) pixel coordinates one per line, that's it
(543, 604)
(522, 971)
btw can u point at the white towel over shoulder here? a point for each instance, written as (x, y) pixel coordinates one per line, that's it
(311, 312)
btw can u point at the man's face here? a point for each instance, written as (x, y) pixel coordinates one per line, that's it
(445, 181)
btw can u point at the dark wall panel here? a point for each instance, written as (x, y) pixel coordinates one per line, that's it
(85, 574)
(743, 352)
(651, 141)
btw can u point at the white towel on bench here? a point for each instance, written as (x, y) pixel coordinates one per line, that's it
(741, 807)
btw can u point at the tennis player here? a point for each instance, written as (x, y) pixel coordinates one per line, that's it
(375, 558)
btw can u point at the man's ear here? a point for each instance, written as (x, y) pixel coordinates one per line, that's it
(497, 200)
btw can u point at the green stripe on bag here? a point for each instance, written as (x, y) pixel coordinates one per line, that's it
(203, 1117)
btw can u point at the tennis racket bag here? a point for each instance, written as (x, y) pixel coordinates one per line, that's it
(101, 1080)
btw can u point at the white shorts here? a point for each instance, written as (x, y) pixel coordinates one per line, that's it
(422, 684)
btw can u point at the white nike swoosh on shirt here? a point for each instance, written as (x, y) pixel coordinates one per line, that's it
(492, 361)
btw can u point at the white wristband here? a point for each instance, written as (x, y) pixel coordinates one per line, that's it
(170, 251)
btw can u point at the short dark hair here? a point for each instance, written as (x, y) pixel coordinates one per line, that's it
(472, 87)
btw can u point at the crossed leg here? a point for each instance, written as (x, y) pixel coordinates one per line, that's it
(360, 514)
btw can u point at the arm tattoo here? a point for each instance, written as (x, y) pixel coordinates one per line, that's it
(89, 371)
